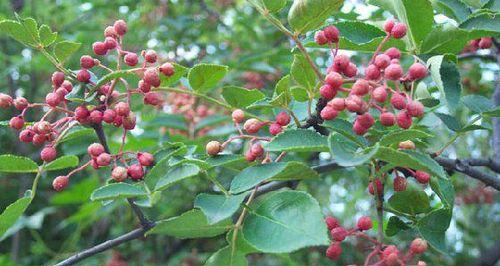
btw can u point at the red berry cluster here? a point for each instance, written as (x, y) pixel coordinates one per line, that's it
(474, 45)
(372, 91)
(387, 254)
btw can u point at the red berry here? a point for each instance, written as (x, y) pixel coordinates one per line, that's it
(364, 223)
(399, 30)
(393, 72)
(83, 76)
(359, 129)
(338, 234)
(96, 117)
(382, 61)
(387, 119)
(238, 116)
(393, 53)
(390, 256)
(145, 158)
(26, 135)
(404, 120)
(337, 104)
(48, 154)
(131, 59)
(360, 87)
(110, 32)
(60, 183)
(257, 150)
(415, 108)
(400, 183)
(334, 79)
(104, 159)
(275, 129)
(334, 251)
(39, 139)
(320, 38)
(331, 34)
(61, 92)
(283, 119)
(417, 71)
(249, 157)
(57, 79)
(81, 113)
(327, 92)
(398, 101)
(153, 98)
(151, 77)
(120, 27)
(372, 72)
(252, 125)
(110, 43)
(341, 61)
(52, 99)
(16, 122)
(379, 186)
(331, 222)
(86, 61)
(95, 149)
(167, 69)
(485, 43)
(418, 246)
(150, 56)
(143, 86)
(67, 86)
(355, 104)
(350, 71)
(122, 109)
(328, 113)
(99, 48)
(379, 94)
(366, 120)
(135, 171)
(422, 177)
(42, 127)
(388, 25)
(213, 148)
(119, 174)
(5, 100)
(129, 121)
(108, 116)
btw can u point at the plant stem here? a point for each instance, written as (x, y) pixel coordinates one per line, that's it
(240, 221)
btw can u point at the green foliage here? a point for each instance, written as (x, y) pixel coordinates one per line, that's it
(17, 164)
(345, 152)
(218, 207)
(63, 50)
(411, 201)
(12, 212)
(224, 257)
(298, 140)
(433, 226)
(204, 77)
(445, 74)
(117, 191)
(240, 97)
(306, 15)
(66, 161)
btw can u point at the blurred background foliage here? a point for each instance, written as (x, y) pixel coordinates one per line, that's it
(228, 32)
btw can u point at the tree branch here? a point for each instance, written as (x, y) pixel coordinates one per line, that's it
(461, 167)
(489, 257)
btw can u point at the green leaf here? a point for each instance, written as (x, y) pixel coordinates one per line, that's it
(306, 15)
(433, 226)
(242, 244)
(359, 32)
(66, 161)
(303, 73)
(12, 213)
(47, 37)
(117, 191)
(299, 94)
(394, 226)
(240, 97)
(204, 77)
(448, 38)
(17, 31)
(412, 159)
(253, 175)
(224, 257)
(191, 224)
(345, 152)
(478, 103)
(63, 50)
(177, 174)
(179, 72)
(344, 127)
(112, 76)
(445, 74)
(17, 164)
(274, 5)
(77, 132)
(298, 140)
(453, 8)
(411, 201)
(224, 159)
(176, 121)
(402, 135)
(418, 17)
(218, 207)
(282, 95)
(444, 189)
(451, 122)
(484, 21)
(286, 221)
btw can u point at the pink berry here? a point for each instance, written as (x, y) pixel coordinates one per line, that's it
(143, 86)
(485, 43)
(52, 99)
(388, 25)
(390, 256)
(57, 78)
(364, 223)
(331, 34)
(151, 77)
(372, 72)
(328, 113)
(415, 108)
(338, 233)
(422, 177)
(252, 125)
(366, 120)
(60, 183)
(16, 122)
(129, 121)
(382, 61)
(150, 56)
(104, 159)
(249, 157)
(26, 135)
(48, 154)
(131, 59)
(337, 104)
(283, 119)
(360, 87)
(400, 183)
(418, 246)
(108, 116)
(81, 113)
(359, 129)
(320, 38)
(327, 92)
(96, 117)
(42, 127)
(334, 251)
(334, 79)
(110, 43)
(135, 171)
(393, 72)
(399, 30)
(167, 69)
(5, 100)
(398, 101)
(122, 109)
(83, 76)
(99, 48)
(61, 92)
(257, 150)
(417, 71)
(354, 104)
(145, 158)
(393, 53)
(95, 149)
(387, 119)
(153, 98)
(120, 27)
(86, 61)
(404, 120)
(379, 186)
(341, 61)
(331, 223)
(39, 139)
(119, 174)
(350, 71)
(67, 86)
(238, 116)
(379, 94)
(275, 129)
(110, 32)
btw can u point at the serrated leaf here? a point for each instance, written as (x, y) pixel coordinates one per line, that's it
(191, 224)
(412, 159)
(306, 15)
(402, 135)
(299, 140)
(394, 226)
(282, 95)
(218, 207)
(17, 164)
(484, 21)
(47, 37)
(112, 76)
(448, 38)
(274, 5)
(303, 73)
(16, 30)
(179, 72)
(225, 257)
(224, 159)
(411, 201)
(451, 122)
(453, 8)
(253, 175)
(418, 17)
(176, 174)
(240, 97)
(12, 212)
(345, 152)
(445, 74)
(63, 50)
(286, 221)
(359, 32)
(478, 103)
(444, 189)
(62, 162)
(203, 77)
(433, 226)
(117, 191)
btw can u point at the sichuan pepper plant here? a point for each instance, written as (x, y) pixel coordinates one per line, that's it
(366, 115)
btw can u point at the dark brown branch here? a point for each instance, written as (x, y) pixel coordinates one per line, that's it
(488, 57)
(315, 120)
(459, 166)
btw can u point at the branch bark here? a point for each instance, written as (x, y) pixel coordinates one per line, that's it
(459, 166)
